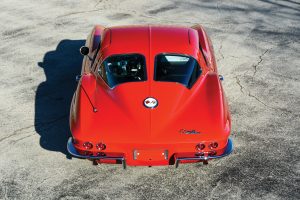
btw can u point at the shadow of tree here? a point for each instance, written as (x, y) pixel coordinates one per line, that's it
(53, 97)
(289, 4)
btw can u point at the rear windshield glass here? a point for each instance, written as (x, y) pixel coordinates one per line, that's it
(177, 68)
(119, 69)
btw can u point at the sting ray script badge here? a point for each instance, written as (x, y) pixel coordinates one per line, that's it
(184, 131)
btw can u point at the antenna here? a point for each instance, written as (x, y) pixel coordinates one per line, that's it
(94, 108)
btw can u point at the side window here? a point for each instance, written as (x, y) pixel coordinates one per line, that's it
(123, 68)
(176, 68)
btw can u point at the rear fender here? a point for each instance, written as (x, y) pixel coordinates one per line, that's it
(217, 103)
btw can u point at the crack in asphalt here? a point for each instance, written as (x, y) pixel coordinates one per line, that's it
(14, 133)
(44, 124)
(257, 99)
(260, 60)
(27, 136)
(242, 89)
(41, 124)
(100, 1)
(79, 12)
(237, 80)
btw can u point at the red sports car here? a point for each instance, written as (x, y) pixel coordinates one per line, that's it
(149, 95)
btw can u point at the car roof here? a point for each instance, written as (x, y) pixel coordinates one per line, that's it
(150, 40)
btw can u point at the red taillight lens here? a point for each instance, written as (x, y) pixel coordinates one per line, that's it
(200, 146)
(213, 145)
(101, 146)
(87, 145)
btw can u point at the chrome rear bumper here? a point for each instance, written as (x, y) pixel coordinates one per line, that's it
(228, 150)
(74, 152)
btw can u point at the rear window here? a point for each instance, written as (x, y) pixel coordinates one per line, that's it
(177, 68)
(119, 69)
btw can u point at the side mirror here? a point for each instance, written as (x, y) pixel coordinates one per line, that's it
(84, 50)
(221, 78)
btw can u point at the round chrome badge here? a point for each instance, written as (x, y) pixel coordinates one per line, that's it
(150, 102)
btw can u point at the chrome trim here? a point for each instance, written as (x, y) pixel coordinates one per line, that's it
(229, 149)
(71, 149)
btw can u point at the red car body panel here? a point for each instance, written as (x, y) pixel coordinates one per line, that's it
(117, 117)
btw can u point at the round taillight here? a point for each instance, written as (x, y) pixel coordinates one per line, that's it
(213, 145)
(87, 145)
(200, 146)
(101, 146)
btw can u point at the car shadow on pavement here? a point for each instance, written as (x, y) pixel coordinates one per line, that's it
(53, 96)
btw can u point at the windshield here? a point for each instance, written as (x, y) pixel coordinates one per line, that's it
(177, 68)
(119, 69)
